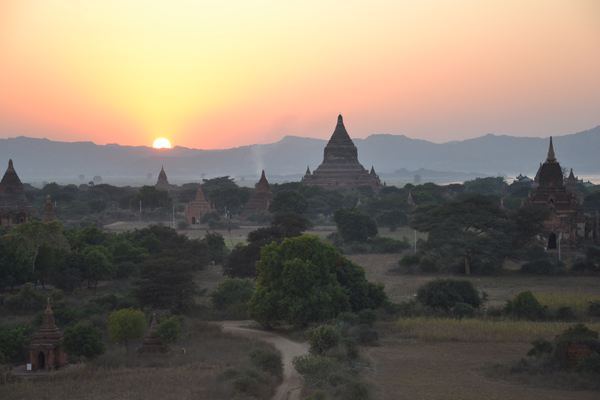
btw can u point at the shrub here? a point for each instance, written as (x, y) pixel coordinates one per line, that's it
(540, 347)
(365, 335)
(578, 334)
(14, 343)
(268, 361)
(27, 301)
(381, 244)
(589, 365)
(463, 310)
(351, 348)
(232, 292)
(168, 331)
(427, 265)
(357, 390)
(347, 319)
(251, 382)
(539, 267)
(594, 308)
(315, 369)
(409, 259)
(183, 225)
(84, 340)
(367, 317)
(565, 313)
(525, 305)
(323, 338)
(445, 293)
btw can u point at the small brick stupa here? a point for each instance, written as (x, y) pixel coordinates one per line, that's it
(162, 183)
(262, 198)
(340, 167)
(48, 211)
(45, 353)
(14, 206)
(197, 208)
(151, 343)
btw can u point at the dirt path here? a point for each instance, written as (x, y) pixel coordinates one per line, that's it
(289, 349)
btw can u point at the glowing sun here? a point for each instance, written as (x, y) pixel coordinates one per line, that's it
(161, 143)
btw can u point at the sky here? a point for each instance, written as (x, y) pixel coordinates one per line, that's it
(219, 74)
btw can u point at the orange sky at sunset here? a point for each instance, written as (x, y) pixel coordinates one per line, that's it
(208, 74)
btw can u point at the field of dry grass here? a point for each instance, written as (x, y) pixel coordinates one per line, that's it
(199, 373)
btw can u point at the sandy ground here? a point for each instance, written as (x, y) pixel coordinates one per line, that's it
(289, 389)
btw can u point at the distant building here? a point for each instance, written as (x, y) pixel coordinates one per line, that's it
(14, 206)
(340, 167)
(197, 208)
(151, 343)
(48, 211)
(567, 222)
(162, 183)
(261, 199)
(45, 353)
(523, 179)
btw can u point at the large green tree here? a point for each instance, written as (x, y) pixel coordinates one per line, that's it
(83, 340)
(301, 281)
(25, 240)
(472, 230)
(165, 283)
(354, 225)
(289, 201)
(151, 197)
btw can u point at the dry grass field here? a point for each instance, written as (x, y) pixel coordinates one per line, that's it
(200, 373)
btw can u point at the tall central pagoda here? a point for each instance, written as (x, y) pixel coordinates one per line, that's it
(340, 167)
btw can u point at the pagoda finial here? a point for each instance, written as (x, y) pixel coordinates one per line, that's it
(307, 170)
(551, 157)
(10, 164)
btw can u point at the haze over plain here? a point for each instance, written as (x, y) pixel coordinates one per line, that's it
(219, 75)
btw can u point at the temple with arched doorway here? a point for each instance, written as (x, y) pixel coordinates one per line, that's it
(45, 353)
(566, 226)
(197, 208)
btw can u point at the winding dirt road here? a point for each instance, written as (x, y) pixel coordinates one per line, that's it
(289, 389)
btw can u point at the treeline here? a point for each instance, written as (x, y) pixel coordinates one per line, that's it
(70, 258)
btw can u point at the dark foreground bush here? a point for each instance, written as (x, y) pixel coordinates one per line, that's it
(524, 305)
(446, 293)
(267, 361)
(323, 338)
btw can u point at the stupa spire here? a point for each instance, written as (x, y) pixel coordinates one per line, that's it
(551, 157)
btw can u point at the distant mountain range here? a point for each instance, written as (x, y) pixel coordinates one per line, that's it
(394, 157)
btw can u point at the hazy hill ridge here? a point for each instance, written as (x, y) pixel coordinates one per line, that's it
(39, 159)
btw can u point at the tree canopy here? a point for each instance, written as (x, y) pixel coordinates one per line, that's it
(303, 280)
(354, 225)
(473, 230)
(126, 324)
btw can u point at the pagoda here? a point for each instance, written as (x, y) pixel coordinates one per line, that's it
(48, 211)
(45, 353)
(162, 183)
(566, 224)
(340, 167)
(14, 206)
(197, 208)
(261, 199)
(151, 343)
